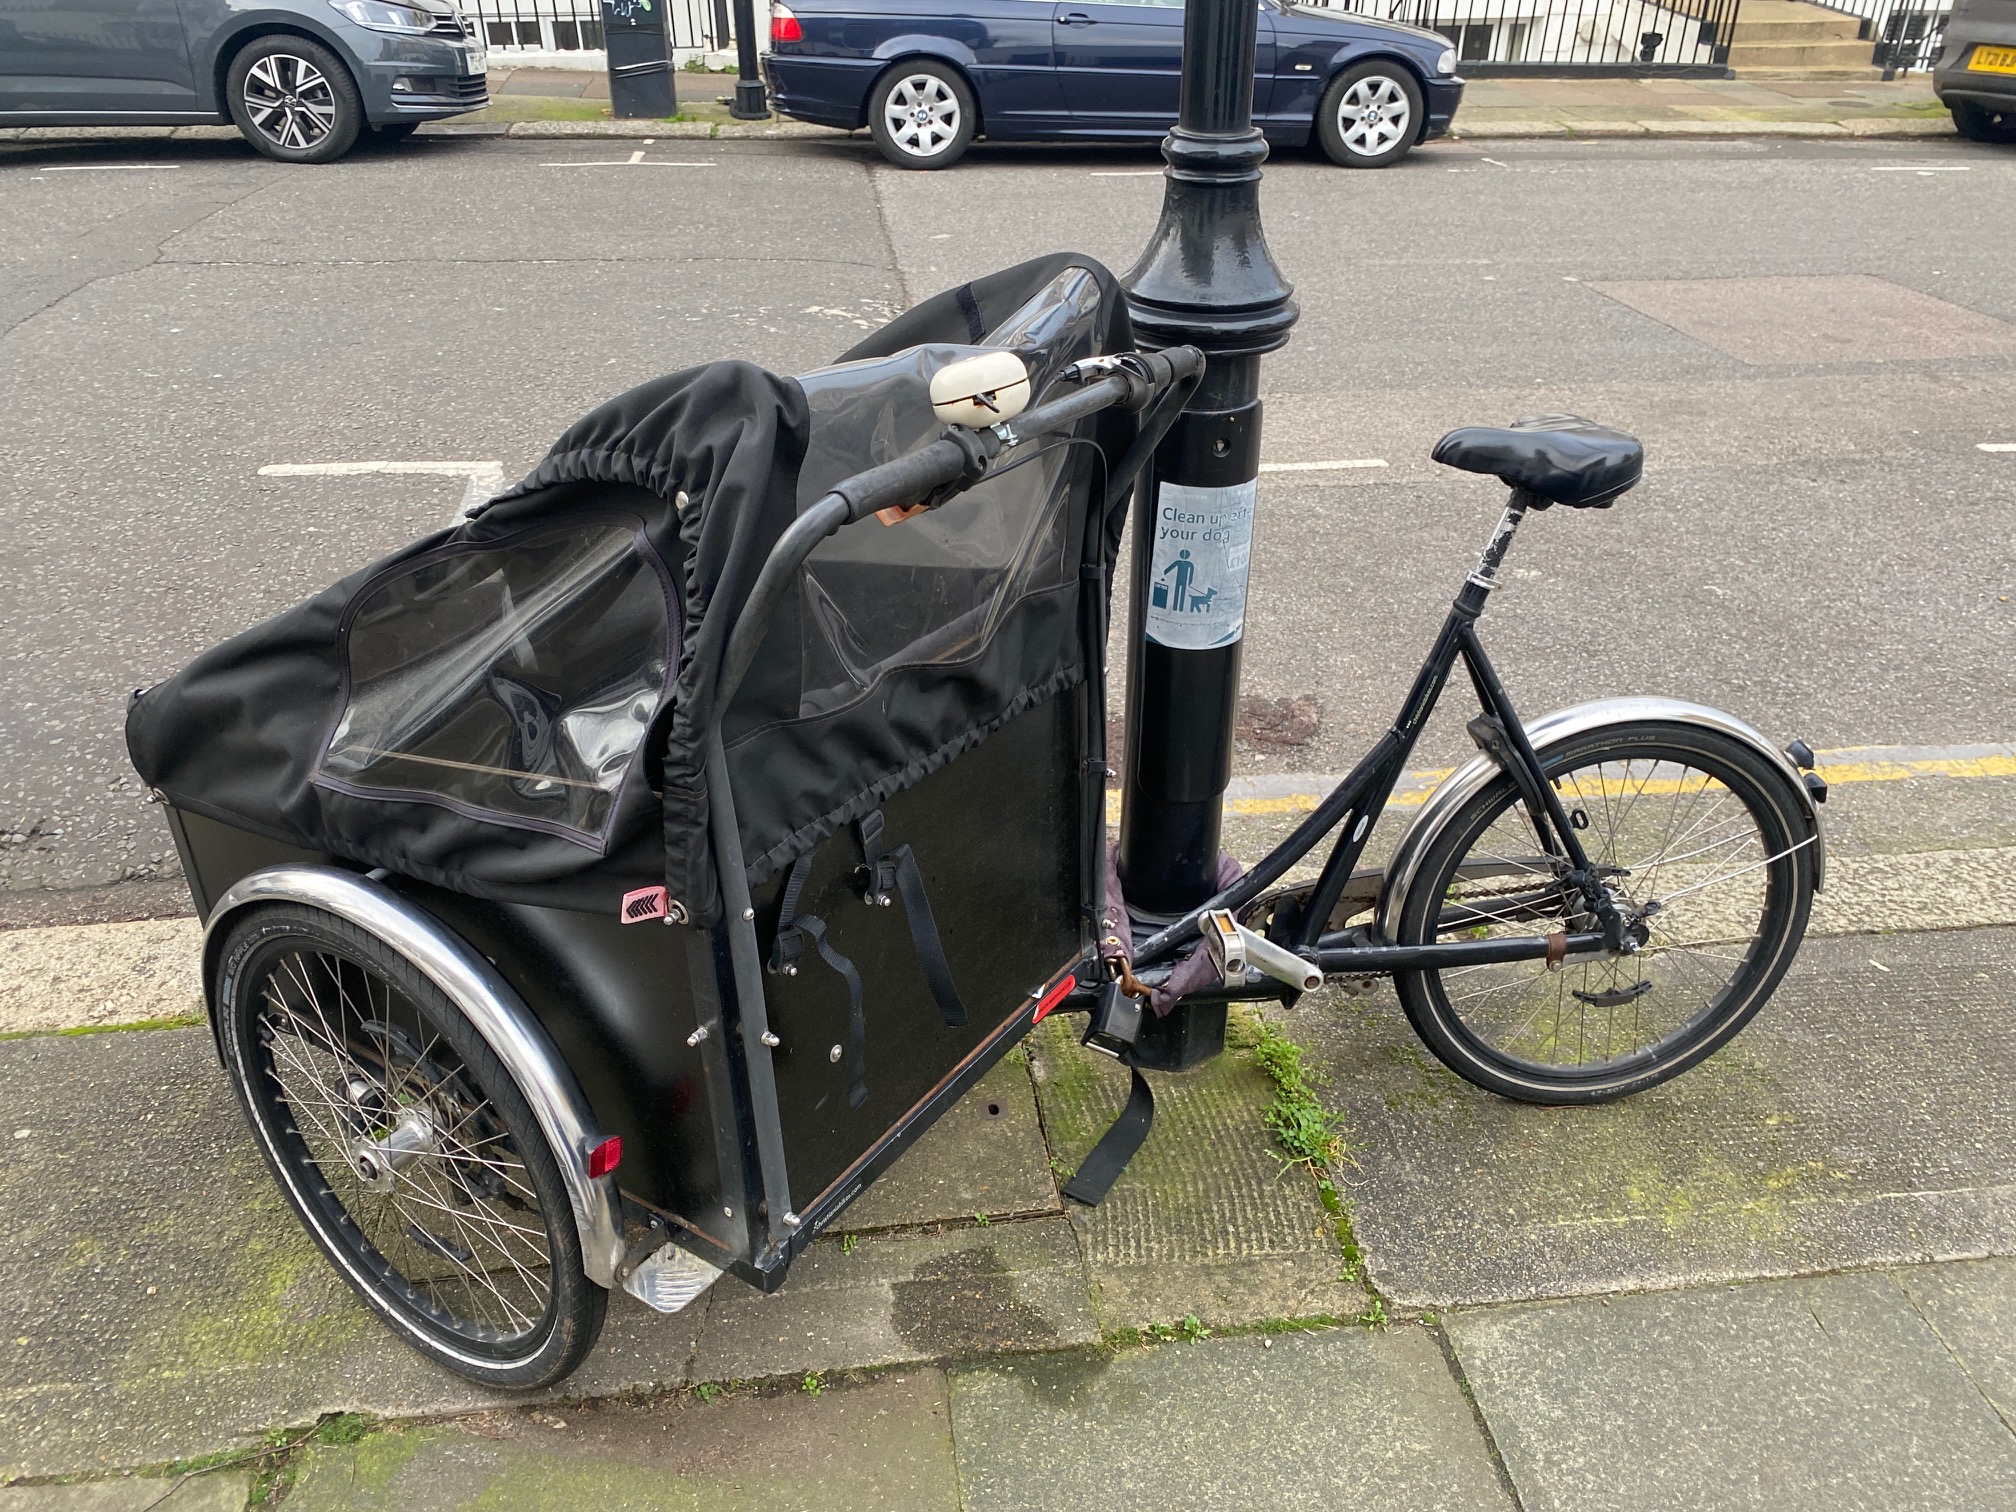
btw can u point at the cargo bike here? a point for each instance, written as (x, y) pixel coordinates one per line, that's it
(604, 890)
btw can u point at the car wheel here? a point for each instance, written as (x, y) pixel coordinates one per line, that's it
(922, 115)
(1370, 116)
(294, 100)
(1978, 123)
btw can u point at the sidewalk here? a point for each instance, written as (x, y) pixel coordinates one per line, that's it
(1700, 107)
(1769, 1284)
(1492, 108)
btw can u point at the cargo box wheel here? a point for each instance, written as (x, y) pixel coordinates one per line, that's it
(405, 1148)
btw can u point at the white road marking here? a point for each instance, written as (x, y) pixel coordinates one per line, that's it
(485, 478)
(105, 167)
(1276, 467)
(1496, 164)
(1995, 446)
(1127, 172)
(635, 160)
(1922, 168)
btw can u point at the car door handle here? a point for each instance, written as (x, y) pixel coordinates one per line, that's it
(1076, 18)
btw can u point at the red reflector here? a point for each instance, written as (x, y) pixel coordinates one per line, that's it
(605, 1157)
(1052, 998)
(784, 26)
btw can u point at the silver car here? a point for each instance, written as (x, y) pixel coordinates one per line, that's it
(1976, 73)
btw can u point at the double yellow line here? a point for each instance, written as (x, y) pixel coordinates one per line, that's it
(1840, 768)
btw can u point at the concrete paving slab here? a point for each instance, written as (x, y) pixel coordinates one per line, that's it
(159, 1301)
(213, 1491)
(61, 977)
(896, 1298)
(986, 1155)
(1973, 1310)
(879, 1446)
(1794, 1395)
(1867, 1116)
(1342, 1419)
(1205, 1220)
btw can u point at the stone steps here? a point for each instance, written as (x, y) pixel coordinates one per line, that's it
(1785, 38)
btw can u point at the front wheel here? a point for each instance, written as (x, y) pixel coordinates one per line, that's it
(1370, 115)
(1978, 123)
(1697, 837)
(405, 1148)
(922, 115)
(294, 100)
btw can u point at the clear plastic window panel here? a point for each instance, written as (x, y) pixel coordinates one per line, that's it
(516, 682)
(933, 588)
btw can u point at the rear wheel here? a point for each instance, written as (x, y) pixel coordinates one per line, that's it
(1978, 123)
(1694, 834)
(405, 1148)
(922, 115)
(1370, 115)
(294, 100)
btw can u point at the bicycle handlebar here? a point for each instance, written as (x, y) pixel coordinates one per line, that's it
(930, 476)
(948, 466)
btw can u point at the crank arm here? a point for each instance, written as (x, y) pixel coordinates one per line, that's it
(1234, 947)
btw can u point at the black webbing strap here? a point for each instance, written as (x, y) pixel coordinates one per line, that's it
(793, 929)
(1117, 1146)
(898, 869)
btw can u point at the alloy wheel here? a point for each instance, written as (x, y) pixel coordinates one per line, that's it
(1373, 115)
(922, 114)
(290, 101)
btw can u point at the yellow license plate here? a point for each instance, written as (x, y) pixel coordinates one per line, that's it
(1993, 60)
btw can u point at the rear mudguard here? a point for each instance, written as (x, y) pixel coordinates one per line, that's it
(1549, 732)
(473, 985)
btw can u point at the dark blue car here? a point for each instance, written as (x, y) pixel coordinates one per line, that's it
(928, 76)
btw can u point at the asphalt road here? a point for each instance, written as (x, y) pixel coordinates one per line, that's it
(1820, 544)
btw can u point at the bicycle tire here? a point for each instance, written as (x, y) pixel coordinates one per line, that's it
(1452, 879)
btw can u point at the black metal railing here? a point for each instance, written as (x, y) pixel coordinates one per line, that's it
(1903, 35)
(1570, 36)
(566, 26)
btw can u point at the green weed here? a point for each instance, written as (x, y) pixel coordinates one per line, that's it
(1311, 1134)
(813, 1383)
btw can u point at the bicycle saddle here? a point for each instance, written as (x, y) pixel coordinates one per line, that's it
(1559, 459)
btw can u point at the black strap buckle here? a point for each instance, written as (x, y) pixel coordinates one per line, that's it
(886, 875)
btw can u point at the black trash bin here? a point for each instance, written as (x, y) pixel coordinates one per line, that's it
(640, 61)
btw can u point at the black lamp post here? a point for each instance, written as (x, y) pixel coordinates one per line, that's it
(749, 103)
(1206, 279)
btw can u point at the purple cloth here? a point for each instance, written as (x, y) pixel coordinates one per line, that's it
(1116, 942)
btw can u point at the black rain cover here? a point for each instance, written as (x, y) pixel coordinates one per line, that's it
(497, 708)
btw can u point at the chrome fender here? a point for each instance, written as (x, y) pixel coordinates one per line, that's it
(473, 985)
(1551, 730)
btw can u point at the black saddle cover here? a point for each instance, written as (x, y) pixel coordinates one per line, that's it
(1559, 459)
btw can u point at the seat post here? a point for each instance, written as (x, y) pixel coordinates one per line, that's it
(1485, 577)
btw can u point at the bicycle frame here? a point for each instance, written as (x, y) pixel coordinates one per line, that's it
(1353, 808)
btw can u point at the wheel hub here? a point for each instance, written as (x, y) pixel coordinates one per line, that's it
(378, 1162)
